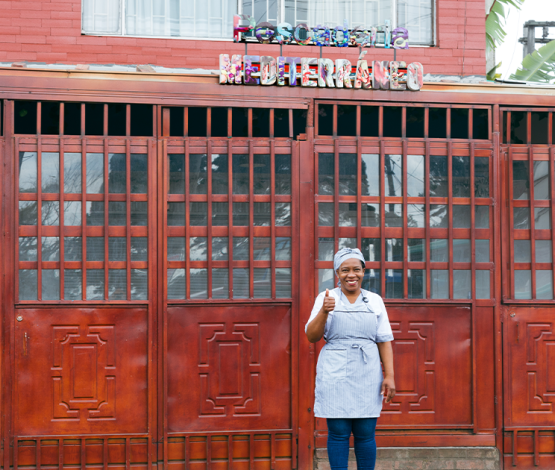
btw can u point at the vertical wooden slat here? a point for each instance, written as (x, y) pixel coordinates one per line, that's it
(251, 451)
(529, 128)
(15, 453)
(448, 123)
(105, 120)
(382, 208)
(515, 447)
(551, 174)
(209, 221)
(39, 218)
(106, 218)
(404, 122)
(550, 128)
(128, 453)
(105, 453)
(271, 123)
(83, 453)
(62, 219)
(209, 451)
(427, 215)
(187, 204)
(16, 231)
(165, 122)
(470, 124)
(38, 457)
(188, 453)
(84, 218)
(128, 214)
(472, 226)
(291, 124)
(450, 212)
(230, 214)
(508, 136)
(334, 121)
(62, 118)
(405, 213)
(532, 214)
(208, 122)
(251, 212)
(39, 118)
(229, 122)
(128, 120)
(249, 123)
(358, 121)
(273, 451)
(380, 124)
(336, 229)
(229, 452)
(426, 122)
(273, 217)
(511, 226)
(536, 447)
(60, 454)
(185, 122)
(359, 189)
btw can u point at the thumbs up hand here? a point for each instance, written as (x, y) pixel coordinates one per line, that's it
(329, 302)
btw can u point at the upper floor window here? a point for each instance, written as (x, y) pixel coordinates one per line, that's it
(214, 19)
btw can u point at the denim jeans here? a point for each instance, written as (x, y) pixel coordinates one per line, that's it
(339, 432)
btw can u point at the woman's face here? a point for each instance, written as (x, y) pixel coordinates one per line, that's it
(350, 274)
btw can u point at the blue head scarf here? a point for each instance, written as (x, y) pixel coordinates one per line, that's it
(344, 254)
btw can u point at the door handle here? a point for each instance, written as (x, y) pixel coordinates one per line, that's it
(25, 343)
(516, 332)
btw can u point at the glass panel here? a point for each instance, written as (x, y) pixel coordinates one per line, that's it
(326, 171)
(117, 173)
(176, 284)
(394, 283)
(439, 250)
(28, 249)
(416, 216)
(541, 181)
(544, 284)
(240, 283)
(370, 215)
(461, 176)
(27, 212)
(325, 249)
(95, 213)
(521, 217)
(283, 249)
(283, 214)
(73, 284)
(117, 213)
(95, 284)
(117, 249)
(394, 215)
(117, 284)
(262, 283)
(176, 248)
(283, 283)
(95, 173)
(262, 249)
(482, 251)
(240, 248)
(325, 279)
(240, 213)
(198, 213)
(240, 174)
(462, 284)
(394, 249)
(481, 178)
(177, 174)
(219, 174)
(347, 243)
(523, 284)
(439, 185)
(27, 175)
(50, 171)
(198, 249)
(416, 279)
(371, 249)
(261, 174)
(371, 281)
(176, 214)
(139, 213)
(283, 174)
(393, 175)
(139, 185)
(439, 284)
(220, 283)
(50, 249)
(50, 213)
(415, 176)
(198, 174)
(262, 214)
(461, 216)
(348, 214)
(326, 214)
(416, 249)
(139, 284)
(50, 284)
(28, 281)
(220, 214)
(95, 248)
(482, 284)
(370, 175)
(139, 250)
(543, 251)
(348, 174)
(438, 216)
(521, 180)
(72, 173)
(542, 217)
(72, 213)
(461, 250)
(481, 216)
(522, 251)
(220, 247)
(73, 249)
(199, 283)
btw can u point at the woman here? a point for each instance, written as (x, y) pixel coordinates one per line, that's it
(349, 381)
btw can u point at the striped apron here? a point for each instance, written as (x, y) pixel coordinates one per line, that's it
(349, 373)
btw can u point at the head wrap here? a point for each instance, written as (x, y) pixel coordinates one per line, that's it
(344, 254)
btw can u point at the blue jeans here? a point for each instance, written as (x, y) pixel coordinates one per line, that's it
(339, 432)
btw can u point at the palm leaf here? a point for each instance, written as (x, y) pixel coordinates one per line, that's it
(492, 74)
(538, 66)
(495, 20)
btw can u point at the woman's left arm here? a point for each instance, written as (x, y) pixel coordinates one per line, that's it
(388, 384)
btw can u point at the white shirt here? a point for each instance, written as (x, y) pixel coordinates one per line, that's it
(375, 303)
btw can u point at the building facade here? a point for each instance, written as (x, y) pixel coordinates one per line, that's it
(164, 236)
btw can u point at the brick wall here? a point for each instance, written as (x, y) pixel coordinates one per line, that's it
(50, 31)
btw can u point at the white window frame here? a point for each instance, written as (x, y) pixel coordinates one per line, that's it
(281, 14)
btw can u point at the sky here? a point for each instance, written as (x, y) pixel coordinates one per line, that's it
(510, 52)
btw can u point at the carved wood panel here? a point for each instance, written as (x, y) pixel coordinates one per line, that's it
(81, 371)
(229, 367)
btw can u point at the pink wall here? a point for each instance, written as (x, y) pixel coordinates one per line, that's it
(50, 31)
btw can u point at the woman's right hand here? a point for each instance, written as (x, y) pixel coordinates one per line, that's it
(329, 302)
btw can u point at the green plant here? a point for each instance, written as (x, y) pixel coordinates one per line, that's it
(538, 66)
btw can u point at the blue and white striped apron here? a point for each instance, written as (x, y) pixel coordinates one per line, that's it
(349, 373)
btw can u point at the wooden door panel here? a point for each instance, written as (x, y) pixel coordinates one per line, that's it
(229, 367)
(81, 371)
